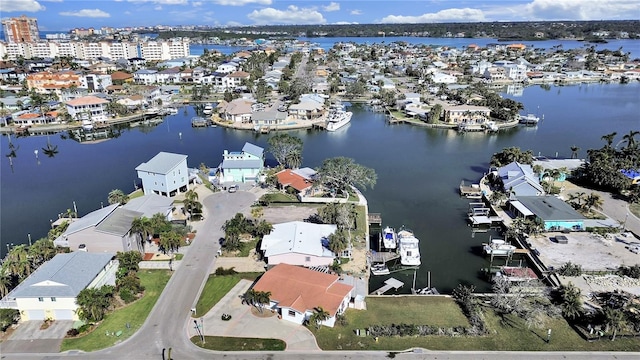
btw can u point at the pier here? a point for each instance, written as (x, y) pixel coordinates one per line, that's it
(390, 283)
(374, 219)
(472, 191)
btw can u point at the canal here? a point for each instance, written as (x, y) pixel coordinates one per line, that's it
(418, 169)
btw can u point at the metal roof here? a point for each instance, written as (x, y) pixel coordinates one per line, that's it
(252, 149)
(162, 163)
(63, 276)
(297, 237)
(550, 208)
(241, 164)
(90, 220)
(119, 222)
(150, 205)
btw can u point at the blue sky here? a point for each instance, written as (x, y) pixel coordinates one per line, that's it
(68, 14)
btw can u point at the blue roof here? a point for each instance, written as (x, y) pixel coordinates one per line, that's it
(631, 174)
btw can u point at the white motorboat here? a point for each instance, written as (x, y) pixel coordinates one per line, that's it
(498, 247)
(529, 119)
(380, 269)
(87, 124)
(409, 248)
(208, 109)
(389, 238)
(338, 119)
(491, 126)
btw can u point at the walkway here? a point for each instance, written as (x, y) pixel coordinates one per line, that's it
(244, 324)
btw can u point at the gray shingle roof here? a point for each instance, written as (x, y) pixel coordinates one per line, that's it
(162, 163)
(149, 205)
(119, 222)
(90, 220)
(63, 276)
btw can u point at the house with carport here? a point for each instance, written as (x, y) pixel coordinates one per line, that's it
(50, 292)
(165, 174)
(299, 243)
(555, 214)
(296, 293)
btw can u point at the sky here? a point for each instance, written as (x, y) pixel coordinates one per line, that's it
(63, 15)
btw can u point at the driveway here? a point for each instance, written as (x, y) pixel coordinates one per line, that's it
(29, 338)
(244, 324)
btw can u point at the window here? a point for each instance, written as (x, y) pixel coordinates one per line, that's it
(307, 258)
(53, 299)
(41, 299)
(292, 313)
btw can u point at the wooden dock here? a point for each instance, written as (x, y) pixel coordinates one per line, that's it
(390, 283)
(383, 257)
(374, 219)
(472, 191)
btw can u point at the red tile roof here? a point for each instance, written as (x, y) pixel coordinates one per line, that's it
(289, 178)
(302, 289)
(87, 100)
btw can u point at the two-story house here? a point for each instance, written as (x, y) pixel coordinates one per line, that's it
(243, 166)
(165, 174)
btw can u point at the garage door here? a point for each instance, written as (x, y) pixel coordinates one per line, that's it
(63, 314)
(35, 314)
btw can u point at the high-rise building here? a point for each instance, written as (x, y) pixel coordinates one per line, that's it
(21, 29)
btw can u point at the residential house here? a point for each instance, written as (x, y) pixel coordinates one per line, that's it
(300, 182)
(145, 76)
(227, 68)
(299, 243)
(95, 82)
(306, 109)
(88, 108)
(132, 102)
(243, 166)
(296, 292)
(519, 180)
(169, 76)
(270, 119)
(108, 229)
(121, 77)
(165, 174)
(555, 214)
(51, 291)
(50, 82)
(495, 74)
(466, 114)
(238, 110)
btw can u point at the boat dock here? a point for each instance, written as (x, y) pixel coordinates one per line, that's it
(375, 219)
(472, 191)
(199, 122)
(382, 257)
(390, 283)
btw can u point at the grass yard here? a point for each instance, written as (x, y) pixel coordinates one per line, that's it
(239, 344)
(361, 222)
(635, 209)
(135, 314)
(216, 288)
(508, 334)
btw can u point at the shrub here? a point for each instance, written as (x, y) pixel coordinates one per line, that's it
(126, 295)
(630, 271)
(84, 328)
(8, 317)
(222, 271)
(570, 269)
(73, 332)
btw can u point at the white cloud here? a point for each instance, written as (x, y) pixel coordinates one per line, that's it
(346, 23)
(333, 6)
(162, 2)
(447, 15)
(158, 8)
(127, 12)
(356, 12)
(90, 13)
(582, 9)
(21, 5)
(292, 15)
(196, 3)
(242, 2)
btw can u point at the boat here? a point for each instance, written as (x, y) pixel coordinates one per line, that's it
(208, 109)
(498, 247)
(338, 117)
(409, 248)
(491, 126)
(529, 119)
(426, 291)
(380, 269)
(198, 121)
(389, 238)
(87, 125)
(171, 110)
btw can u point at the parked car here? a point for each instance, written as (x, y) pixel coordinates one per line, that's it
(233, 188)
(82, 247)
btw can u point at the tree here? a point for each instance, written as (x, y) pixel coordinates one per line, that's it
(129, 261)
(249, 297)
(287, 150)
(142, 227)
(570, 301)
(338, 241)
(262, 298)
(593, 201)
(117, 196)
(41, 251)
(17, 262)
(574, 151)
(511, 154)
(340, 173)
(263, 228)
(319, 315)
(169, 241)
(630, 140)
(6, 283)
(191, 203)
(93, 303)
(435, 113)
(609, 138)
(615, 320)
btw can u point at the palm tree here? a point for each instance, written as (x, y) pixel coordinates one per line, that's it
(319, 315)
(574, 151)
(630, 140)
(6, 283)
(142, 228)
(17, 262)
(593, 201)
(571, 301)
(615, 320)
(117, 196)
(249, 297)
(191, 203)
(41, 251)
(262, 298)
(263, 228)
(609, 138)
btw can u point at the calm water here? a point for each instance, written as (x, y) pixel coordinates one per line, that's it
(418, 169)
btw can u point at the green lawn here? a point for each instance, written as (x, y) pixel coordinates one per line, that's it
(361, 222)
(216, 288)
(510, 334)
(239, 344)
(282, 198)
(135, 314)
(635, 209)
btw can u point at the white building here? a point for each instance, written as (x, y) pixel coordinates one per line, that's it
(89, 108)
(299, 243)
(165, 50)
(50, 292)
(165, 174)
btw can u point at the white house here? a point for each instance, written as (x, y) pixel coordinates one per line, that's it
(165, 174)
(299, 243)
(296, 292)
(88, 108)
(519, 179)
(50, 292)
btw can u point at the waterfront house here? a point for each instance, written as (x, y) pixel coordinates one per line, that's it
(296, 292)
(270, 119)
(51, 82)
(165, 174)
(519, 180)
(310, 107)
(298, 243)
(50, 292)
(466, 114)
(288, 178)
(88, 108)
(108, 229)
(243, 166)
(121, 77)
(237, 111)
(555, 214)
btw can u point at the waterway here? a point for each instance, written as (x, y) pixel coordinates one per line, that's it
(418, 169)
